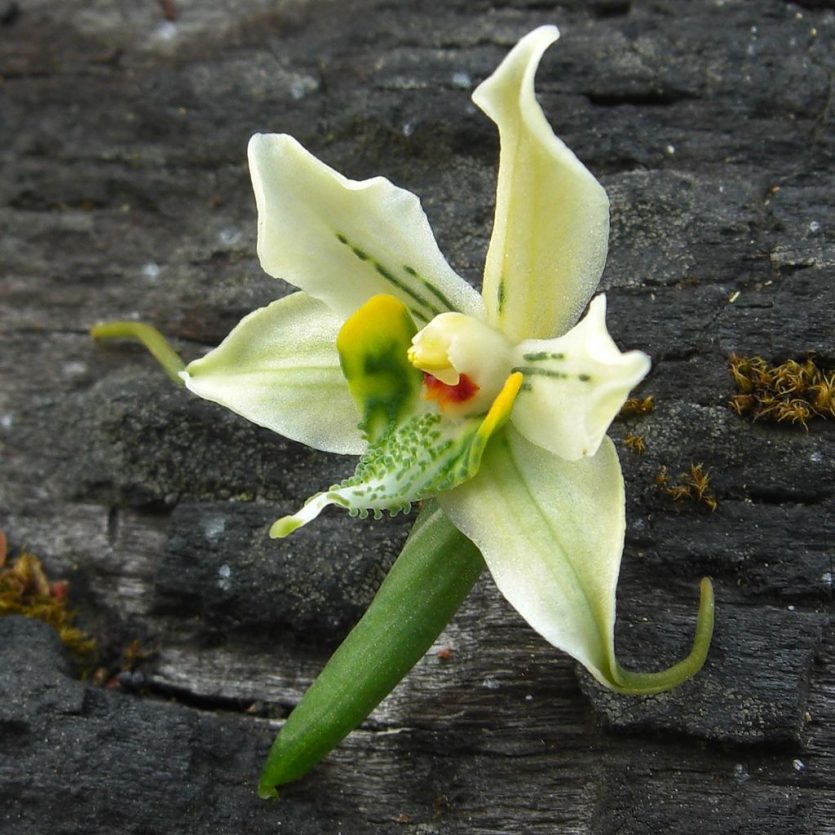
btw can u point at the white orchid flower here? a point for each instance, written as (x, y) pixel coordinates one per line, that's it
(497, 404)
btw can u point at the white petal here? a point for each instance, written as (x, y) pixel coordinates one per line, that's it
(551, 230)
(574, 385)
(551, 532)
(344, 241)
(279, 368)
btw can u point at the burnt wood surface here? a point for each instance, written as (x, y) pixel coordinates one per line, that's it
(124, 193)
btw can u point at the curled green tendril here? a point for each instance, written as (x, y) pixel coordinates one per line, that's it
(644, 684)
(148, 336)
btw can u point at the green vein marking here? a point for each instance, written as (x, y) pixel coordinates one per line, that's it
(400, 284)
(532, 371)
(542, 355)
(393, 279)
(500, 294)
(438, 294)
(584, 378)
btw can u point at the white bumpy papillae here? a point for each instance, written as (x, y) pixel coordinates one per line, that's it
(344, 241)
(551, 230)
(551, 532)
(279, 368)
(419, 458)
(575, 385)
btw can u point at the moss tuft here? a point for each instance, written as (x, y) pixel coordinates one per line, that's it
(636, 406)
(694, 485)
(792, 392)
(26, 590)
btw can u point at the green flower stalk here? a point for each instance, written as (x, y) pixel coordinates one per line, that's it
(490, 408)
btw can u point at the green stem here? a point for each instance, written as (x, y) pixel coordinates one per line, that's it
(148, 336)
(434, 573)
(641, 684)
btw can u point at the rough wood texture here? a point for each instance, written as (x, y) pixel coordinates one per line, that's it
(125, 193)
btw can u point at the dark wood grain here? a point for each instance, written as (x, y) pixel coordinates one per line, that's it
(125, 193)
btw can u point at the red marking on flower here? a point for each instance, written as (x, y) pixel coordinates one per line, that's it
(465, 389)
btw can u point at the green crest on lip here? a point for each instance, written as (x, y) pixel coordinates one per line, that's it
(420, 457)
(372, 346)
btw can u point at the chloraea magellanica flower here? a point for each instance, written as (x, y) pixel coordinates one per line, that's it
(494, 406)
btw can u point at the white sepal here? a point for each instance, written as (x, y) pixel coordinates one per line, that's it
(279, 368)
(551, 532)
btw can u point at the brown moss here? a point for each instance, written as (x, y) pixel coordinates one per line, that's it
(636, 406)
(791, 392)
(26, 590)
(694, 485)
(635, 443)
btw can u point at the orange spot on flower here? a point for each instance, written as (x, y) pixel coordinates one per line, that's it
(444, 395)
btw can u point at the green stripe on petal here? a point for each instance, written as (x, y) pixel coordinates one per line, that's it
(424, 455)
(551, 228)
(373, 345)
(344, 241)
(279, 368)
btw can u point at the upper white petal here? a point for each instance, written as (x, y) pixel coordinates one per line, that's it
(551, 230)
(344, 241)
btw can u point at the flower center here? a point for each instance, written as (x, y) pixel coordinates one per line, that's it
(430, 352)
(465, 363)
(445, 395)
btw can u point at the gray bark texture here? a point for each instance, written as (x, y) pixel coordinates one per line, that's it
(124, 193)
